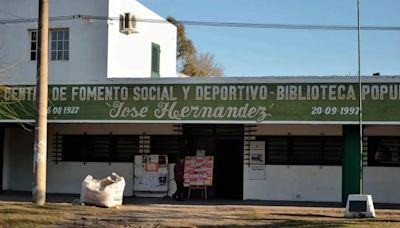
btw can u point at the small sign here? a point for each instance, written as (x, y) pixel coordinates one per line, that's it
(357, 206)
(198, 171)
(257, 172)
(257, 152)
(200, 153)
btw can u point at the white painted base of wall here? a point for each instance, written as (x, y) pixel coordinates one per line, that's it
(282, 182)
(67, 177)
(18, 160)
(383, 183)
(295, 183)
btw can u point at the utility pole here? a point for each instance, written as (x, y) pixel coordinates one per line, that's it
(360, 117)
(40, 144)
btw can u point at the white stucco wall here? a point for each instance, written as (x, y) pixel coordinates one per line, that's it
(295, 183)
(282, 182)
(97, 49)
(18, 160)
(382, 183)
(66, 177)
(130, 55)
(88, 42)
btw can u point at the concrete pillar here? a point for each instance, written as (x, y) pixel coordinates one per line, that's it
(352, 162)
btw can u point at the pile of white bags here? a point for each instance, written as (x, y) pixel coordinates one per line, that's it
(107, 192)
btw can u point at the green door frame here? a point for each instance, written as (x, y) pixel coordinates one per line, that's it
(352, 162)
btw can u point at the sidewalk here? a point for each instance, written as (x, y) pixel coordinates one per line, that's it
(16, 196)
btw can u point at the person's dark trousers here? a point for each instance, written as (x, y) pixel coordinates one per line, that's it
(179, 191)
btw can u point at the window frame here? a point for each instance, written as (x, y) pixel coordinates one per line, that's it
(96, 148)
(57, 41)
(373, 143)
(50, 47)
(155, 60)
(290, 156)
(31, 41)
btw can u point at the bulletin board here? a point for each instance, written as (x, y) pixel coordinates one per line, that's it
(151, 172)
(198, 171)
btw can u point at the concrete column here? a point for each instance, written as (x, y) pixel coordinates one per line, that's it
(352, 162)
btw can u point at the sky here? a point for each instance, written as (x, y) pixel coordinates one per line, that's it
(278, 52)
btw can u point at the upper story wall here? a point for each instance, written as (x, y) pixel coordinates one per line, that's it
(130, 55)
(93, 58)
(87, 41)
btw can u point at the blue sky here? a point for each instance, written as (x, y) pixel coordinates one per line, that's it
(276, 52)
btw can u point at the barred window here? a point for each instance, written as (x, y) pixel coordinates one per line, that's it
(384, 151)
(303, 150)
(96, 148)
(171, 145)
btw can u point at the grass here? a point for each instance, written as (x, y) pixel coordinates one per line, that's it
(54, 215)
(29, 215)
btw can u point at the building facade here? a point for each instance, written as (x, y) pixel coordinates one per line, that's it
(273, 138)
(87, 41)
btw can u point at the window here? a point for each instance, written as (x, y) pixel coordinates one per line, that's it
(59, 45)
(33, 45)
(384, 151)
(96, 148)
(155, 60)
(303, 150)
(170, 145)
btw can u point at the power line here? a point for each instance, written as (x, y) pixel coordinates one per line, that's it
(217, 24)
(10, 14)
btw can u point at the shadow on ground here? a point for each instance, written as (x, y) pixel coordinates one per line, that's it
(17, 196)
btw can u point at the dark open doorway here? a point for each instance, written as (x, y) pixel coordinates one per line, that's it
(225, 143)
(229, 169)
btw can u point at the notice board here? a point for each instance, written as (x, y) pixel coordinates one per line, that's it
(198, 171)
(151, 172)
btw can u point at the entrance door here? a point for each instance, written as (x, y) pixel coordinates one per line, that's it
(229, 169)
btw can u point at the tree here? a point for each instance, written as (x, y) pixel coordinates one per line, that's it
(185, 47)
(189, 61)
(202, 65)
(10, 107)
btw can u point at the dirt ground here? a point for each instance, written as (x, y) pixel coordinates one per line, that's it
(171, 214)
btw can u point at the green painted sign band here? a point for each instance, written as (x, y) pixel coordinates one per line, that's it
(207, 102)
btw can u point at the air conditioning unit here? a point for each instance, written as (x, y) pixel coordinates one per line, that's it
(127, 23)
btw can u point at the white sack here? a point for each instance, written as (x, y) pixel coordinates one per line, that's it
(107, 192)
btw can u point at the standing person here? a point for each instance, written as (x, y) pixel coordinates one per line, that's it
(178, 176)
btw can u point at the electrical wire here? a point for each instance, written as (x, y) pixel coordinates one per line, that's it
(217, 24)
(11, 14)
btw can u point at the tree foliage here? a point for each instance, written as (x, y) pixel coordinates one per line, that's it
(202, 65)
(190, 62)
(185, 47)
(11, 106)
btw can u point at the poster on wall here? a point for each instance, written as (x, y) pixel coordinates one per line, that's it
(151, 173)
(198, 171)
(257, 152)
(257, 160)
(257, 172)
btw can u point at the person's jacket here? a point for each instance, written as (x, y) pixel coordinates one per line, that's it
(178, 171)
